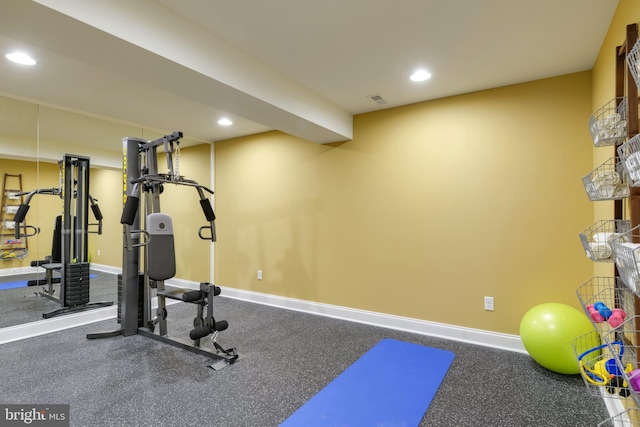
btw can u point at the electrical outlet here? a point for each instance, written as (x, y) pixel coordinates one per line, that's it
(488, 303)
(259, 274)
(98, 252)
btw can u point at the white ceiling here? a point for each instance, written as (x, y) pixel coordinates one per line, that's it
(302, 67)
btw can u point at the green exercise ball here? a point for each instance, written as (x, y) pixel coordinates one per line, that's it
(547, 332)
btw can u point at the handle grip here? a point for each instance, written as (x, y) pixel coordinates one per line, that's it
(212, 234)
(22, 213)
(130, 210)
(207, 209)
(35, 230)
(96, 212)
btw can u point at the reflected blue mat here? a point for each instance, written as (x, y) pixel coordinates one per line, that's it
(13, 285)
(23, 283)
(390, 385)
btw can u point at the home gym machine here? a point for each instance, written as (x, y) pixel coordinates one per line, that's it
(69, 253)
(139, 279)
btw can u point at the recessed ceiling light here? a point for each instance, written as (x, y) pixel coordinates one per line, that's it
(20, 58)
(225, 122)
(420, 76)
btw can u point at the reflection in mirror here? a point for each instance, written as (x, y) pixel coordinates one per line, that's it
(18, 148)
(18, 166)
(34, 140)
(33, 288)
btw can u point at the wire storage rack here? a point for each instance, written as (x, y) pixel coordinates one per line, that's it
(598, 363)
(606, 301)
(608, 124)
(628, 418)
(626, 254)
(596, 239)
(621, 343)
(633, 62)
(607, 182)
(624, 344)
(629, 154)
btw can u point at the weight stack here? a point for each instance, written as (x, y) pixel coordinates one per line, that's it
(140, 298)
(76, 290)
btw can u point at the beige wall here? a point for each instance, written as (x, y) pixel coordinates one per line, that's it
(627, 12)
(106, 188)
(429, 208)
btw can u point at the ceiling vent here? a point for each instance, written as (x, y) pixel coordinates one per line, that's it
(377, 99)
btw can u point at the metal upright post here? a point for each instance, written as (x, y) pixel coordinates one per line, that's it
(67, 221)
(130, 257)
(152, 204)
(74, 281)
(81, 223)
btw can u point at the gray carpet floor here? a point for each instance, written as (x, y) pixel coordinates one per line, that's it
(286, 357)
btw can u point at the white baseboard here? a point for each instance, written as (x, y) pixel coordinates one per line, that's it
(55, 324)
(18, 270)
(105, 268)
(416, 326)
(616, 409)
(422, 327)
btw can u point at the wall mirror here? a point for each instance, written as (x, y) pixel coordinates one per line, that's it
(34, 140)
(19, 171)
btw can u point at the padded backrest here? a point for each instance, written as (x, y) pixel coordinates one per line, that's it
(160, 250)
(56, 244)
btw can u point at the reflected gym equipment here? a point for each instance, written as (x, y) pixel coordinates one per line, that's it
(69, 251)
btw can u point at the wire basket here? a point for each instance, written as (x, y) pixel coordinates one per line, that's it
(624, 346)
(628, 418)
(606, 301)
(633, 62)
(626, 254)
(13, 254)
(596, 239)
(629, 154)
(607, 182)
(608, 125)
(596, 359)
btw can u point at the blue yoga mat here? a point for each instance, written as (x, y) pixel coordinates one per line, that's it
(23, 283)
(390, 385)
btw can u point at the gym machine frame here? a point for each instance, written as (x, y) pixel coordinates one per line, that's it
(140, 175)
(73, 265)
